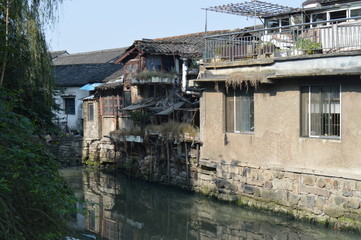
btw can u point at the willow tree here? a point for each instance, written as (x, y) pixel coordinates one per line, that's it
(24, 60)
(34, 199)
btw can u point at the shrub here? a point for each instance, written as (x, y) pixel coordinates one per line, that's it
(34, 199)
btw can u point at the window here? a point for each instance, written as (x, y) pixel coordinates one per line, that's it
(240, 110)
(90, 112)
(92, 219)
(127, 98)
(272, 23)
(111, 104)
(69, 106)
(320, 17)
(338, 15)
(355, 12)
(275, 23)
(321, 111)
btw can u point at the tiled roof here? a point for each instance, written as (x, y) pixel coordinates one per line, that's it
(81, 74)
(56, 54)
(335, 1)
(101, 56)
(191, 45)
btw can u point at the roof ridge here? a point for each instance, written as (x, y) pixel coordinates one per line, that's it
(96, 51)
(193, 34)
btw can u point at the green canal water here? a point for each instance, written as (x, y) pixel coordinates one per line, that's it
(116, 207)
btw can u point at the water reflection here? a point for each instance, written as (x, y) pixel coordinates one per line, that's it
(119, 208)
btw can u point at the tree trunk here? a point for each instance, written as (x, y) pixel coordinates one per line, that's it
(6, 43)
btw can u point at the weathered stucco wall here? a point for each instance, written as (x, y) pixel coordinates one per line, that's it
(274, 167)
(97, 146)
(276, 141)
(91, 127)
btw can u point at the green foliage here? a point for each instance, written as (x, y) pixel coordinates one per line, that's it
(308, 45)
(138, 116)
(147, 75)
(24, 58)
(34, 199)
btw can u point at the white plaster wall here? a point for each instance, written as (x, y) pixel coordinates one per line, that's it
(74, 121)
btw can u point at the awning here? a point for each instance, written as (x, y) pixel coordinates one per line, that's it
(170, 109)
(90, 86)
(137, 106)
(140, 104)
(91, 97)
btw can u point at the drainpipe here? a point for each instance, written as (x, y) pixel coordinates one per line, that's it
(184, 74)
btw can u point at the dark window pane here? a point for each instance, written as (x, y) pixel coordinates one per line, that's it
(127, 100)
(230, 111)
(90, 112)
(285, 22)
(356, 12)
(69, 106)
(273, 23)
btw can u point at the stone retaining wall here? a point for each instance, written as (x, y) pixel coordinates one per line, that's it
(67, 149)
(323, 199)
(328, 200)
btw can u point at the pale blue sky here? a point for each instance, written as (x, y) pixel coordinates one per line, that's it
(89, 25)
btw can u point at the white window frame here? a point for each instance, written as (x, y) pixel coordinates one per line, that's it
(235, 110)
(309, 135)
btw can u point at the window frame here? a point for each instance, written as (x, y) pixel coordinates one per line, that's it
(328, 16)
(241, 97)
(111, 103)
(90, 113)
(307, 133)
(278, 23)
(66, 106)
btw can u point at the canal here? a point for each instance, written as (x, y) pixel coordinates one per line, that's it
(116, 207)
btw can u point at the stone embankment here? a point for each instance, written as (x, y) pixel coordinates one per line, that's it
(67, 149)
(326, 200)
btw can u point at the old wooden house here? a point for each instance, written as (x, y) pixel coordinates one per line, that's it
(150, 110)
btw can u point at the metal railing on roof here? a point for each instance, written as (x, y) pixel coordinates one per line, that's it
(324, 37)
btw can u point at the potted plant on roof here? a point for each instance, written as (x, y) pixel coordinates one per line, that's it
(308, 46)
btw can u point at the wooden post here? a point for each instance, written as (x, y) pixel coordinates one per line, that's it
(187, 168)
(168, 161)
(151, 164)
(198, 155)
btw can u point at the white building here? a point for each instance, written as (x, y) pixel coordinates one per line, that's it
(75, 78)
